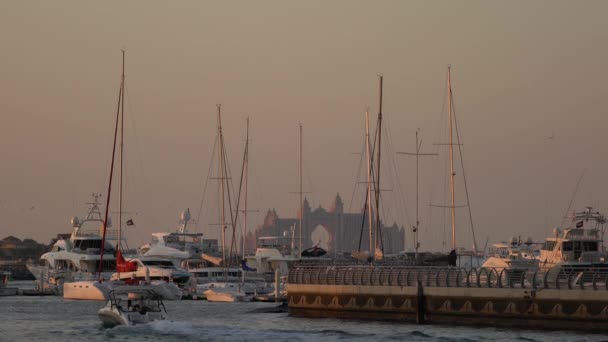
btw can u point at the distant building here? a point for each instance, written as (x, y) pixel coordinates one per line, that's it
(9, 243)
(332, 229)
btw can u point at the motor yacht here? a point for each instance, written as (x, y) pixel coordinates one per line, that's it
(577, 247)
(77, 258)
(513, 255)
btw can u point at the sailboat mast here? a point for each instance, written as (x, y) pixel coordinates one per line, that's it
(417, 153)
(378, 172)
(417, 183)
(300, 192)
(369, 183)
(246, 170)
(221, 179)
(378, 169)
(452, 173)
(122, 138)
(105, 221)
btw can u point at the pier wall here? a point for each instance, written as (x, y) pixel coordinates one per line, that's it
(315, 292)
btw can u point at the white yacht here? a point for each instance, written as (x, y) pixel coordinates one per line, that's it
(129, 306)
(272, 254)
(206, 272)
(177, 246)
(157, 269)
(77, 258)
(513, 255)
(577, 247)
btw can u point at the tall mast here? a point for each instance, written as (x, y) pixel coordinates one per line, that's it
(369, 183)
(378, 170)
(300, 192)
(452, 173)
(417, 182)
(246, 170)
(105, 221)
(122, 138)
(221, 179)
(416, 227)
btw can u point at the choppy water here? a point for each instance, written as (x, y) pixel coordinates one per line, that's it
(55, 319)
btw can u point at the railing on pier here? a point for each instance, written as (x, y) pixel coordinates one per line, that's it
(393, 275)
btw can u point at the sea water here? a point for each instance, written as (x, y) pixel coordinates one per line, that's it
(56, 319)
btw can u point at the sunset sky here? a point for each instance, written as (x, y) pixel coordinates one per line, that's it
(528, 80)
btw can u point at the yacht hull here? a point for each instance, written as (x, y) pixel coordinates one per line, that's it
(94, 290)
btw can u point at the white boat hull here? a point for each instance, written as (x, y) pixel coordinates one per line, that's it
(94, 290)
(226, 295)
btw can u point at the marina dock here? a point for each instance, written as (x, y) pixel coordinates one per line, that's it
(524, 298)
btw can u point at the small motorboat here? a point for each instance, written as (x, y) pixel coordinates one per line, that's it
(132, 306)
(226, 292)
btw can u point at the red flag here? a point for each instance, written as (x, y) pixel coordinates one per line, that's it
(123, 265)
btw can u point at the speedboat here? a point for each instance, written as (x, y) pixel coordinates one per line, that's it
(131, 306)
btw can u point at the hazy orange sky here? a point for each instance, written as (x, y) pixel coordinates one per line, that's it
(523, 71)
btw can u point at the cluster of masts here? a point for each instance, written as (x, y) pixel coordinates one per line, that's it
(373, 179)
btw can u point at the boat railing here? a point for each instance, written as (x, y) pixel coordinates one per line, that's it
(382, 275)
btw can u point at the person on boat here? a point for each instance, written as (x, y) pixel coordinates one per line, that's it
(452, 257)
(132, 280)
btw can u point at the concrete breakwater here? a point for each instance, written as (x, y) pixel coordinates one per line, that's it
(498, 297)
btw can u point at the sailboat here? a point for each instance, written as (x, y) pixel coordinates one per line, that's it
(100, 289)
(465, 259)
(376, 250)
(225, 291)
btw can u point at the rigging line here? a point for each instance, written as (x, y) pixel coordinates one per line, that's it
(357, 175)
(363, 222)
(393, 164)
(200, 208)
(366, 197)
(137, 145)
(578, 183)
(238, 201)
(230, 186)
(373, 184)
(464, 176)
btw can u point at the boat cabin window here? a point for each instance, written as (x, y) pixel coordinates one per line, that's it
(590, 246)
(87, 244)
(567, 246)
(548, 245)
(160, 263)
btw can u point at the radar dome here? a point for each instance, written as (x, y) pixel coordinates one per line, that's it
(75, 221)
(185, 216)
